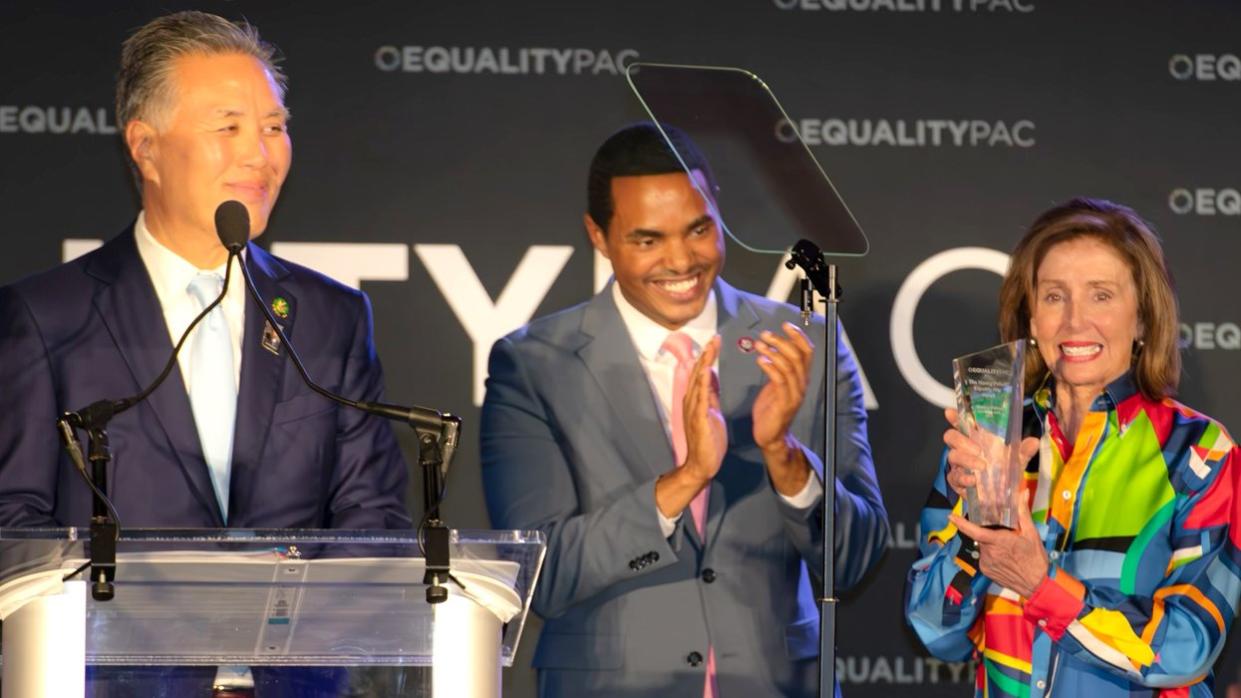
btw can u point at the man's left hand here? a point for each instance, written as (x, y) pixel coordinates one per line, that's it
(1015, 560)
(785, 360)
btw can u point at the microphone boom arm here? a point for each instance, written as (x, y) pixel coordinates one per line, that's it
(438, 435)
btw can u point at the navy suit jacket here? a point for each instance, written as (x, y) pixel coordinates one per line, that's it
(93, 328)
(572, 444)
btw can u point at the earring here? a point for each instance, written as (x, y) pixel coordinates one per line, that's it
(1033, 342)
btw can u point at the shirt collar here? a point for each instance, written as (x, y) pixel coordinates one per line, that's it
(648, 336)
(170, 273)
(1113, 394)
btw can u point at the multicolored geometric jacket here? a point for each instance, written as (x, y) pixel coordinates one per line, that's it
(1141, 519)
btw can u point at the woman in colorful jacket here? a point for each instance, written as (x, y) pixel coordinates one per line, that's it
(1123, 575)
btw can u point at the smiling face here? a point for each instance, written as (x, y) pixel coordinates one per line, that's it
(665, 244)
(222, 136)
(1085, 313)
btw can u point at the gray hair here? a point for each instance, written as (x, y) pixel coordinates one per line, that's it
(143, 87)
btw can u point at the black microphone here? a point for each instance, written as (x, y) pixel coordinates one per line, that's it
(232, 225)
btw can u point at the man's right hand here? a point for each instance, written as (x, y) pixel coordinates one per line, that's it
(706, 437)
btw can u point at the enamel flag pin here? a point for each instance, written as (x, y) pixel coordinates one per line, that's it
(271, 340)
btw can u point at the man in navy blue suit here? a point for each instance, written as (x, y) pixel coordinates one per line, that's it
(234, 437)
(201, 105)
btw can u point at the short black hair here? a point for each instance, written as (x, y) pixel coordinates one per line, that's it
(636, 150)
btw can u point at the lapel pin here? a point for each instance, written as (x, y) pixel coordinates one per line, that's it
(271, 340)
(746, 345)
(280, 307)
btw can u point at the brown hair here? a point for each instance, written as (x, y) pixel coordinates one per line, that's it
(1157, 362)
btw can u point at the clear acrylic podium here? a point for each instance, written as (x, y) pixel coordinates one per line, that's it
(260, 598)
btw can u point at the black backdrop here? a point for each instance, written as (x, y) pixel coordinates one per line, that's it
(441, 147)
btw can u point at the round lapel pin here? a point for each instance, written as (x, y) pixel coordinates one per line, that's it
(746, 344)
(280, 307)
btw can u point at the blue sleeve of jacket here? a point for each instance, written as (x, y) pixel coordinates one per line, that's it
(29, 451)
(862, 527)
(943, 591)
(370, 475)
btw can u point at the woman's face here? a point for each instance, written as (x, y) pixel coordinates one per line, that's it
(1085, 313)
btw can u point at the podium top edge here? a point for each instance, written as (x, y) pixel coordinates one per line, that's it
(274, 535)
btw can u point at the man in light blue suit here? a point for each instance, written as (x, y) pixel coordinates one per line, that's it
(586, 437)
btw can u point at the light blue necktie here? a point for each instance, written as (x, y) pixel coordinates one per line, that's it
(213, 387)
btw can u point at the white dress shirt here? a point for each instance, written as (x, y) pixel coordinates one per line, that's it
(171, 276)
(660, 367)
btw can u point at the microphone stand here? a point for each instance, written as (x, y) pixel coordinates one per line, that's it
(105, 526)
(809, 257)
(434, 538)
(438, 434)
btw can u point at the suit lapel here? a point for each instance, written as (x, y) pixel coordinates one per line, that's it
(610, 357)
(740, 379)
(132, 314)
(261, 372)
(612, 360)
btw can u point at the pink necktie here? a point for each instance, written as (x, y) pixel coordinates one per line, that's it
(682, 347)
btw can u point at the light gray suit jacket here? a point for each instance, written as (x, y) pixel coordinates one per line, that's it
(572, 443)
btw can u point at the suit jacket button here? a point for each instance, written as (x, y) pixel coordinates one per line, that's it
(694, 659)
(633, 565)
(708, 575)
(654, 556)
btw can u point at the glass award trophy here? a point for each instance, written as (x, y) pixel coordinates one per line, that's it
(989, 398)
